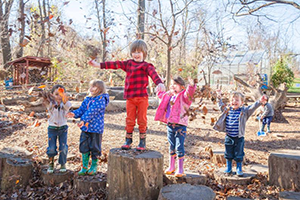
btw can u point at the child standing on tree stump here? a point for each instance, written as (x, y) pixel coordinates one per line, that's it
(172, 111)
(58, 106)
(266, 115)
(91, 114)
(136, 82)
(233, 121)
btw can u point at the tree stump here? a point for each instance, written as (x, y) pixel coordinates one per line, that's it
(233, 178)
(134, 175)
(289, 195)
(190, 178)
(56, 177)
(16, 173)
(186, 191)
(87, 184)
(217, 157)
(284, 169)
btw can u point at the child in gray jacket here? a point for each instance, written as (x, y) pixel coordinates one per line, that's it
(233, 121)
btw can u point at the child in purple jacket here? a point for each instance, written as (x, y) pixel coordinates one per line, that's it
(172, 111)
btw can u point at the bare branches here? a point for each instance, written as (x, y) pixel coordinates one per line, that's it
(247, 10)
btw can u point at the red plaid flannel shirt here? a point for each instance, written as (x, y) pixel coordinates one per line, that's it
(137, 73)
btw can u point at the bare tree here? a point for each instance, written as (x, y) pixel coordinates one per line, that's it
(21, 20)
(141, 18)
(168, 31)
(5, 32)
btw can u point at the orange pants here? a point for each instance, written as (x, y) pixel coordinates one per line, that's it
(136, 109)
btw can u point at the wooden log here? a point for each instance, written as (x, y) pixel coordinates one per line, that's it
(233, 178)
(87, 184)
(289, 195)
(284, 168)
(190, 178)
(134, 175)
(11, 152)
(16, 173)
(186, 191)
(56, 177)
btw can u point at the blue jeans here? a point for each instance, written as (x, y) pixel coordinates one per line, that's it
(90, 143)
(234, 148)
(176, 136)
(62, 136)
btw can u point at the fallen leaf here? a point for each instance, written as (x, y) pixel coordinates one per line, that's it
(204, 109)
(42, 86)
(31, 114)
(30, 90)
(77, 89)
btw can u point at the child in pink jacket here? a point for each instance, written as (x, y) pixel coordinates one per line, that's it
(172, 111)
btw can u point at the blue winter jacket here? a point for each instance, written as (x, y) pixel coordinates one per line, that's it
(91, 112)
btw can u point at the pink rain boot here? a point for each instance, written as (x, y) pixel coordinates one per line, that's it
(171, 168)
(179, 172)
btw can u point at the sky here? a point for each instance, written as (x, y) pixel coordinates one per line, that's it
(77, 9)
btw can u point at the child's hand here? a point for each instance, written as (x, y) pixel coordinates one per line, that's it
(80, 124)
(191, 81)
(70, 115)
(160, 88)
(94, 63)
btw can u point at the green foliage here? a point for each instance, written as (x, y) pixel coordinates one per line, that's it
(282, 73)
(295, 89)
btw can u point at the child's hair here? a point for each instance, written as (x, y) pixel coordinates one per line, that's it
(179, 80)
(267, 98)
(100, 85)
(139, 45)
(238, 94)
(55, 87)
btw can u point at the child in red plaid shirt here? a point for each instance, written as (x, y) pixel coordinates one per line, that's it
(135, 91)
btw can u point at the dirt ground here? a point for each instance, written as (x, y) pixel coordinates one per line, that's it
(20, 129)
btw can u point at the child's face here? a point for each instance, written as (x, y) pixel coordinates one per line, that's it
(56, 96)
(236, 102)
(137, 56)
(175, 88)
(263, 102)
(93, 90)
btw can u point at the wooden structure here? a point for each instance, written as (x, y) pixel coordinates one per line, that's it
(22, 66)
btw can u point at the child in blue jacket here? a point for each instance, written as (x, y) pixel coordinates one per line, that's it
(91, 114)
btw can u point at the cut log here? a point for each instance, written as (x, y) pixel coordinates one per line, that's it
(134, 175)
(11, 152)
(87, 184)
(190, 178)
(16, 173)
(284, 168)
(233, 178)
(289, 195)
(218, 158)
(56, 177)
(186, 191)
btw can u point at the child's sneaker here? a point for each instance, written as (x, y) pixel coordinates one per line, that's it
(50, 169)
(63, 168)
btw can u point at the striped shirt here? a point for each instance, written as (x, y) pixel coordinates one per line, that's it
(232, 122)
(137, 73)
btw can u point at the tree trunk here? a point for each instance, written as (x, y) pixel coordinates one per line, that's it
(133, 175)
(168, 67)
(22, 28)
(5, 33)
(56, 177)
(186, 191)
(42, 40)
(284, 168)
(87, 184)
(16, 173)
(141, 19)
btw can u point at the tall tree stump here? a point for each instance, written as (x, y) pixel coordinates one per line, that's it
(284, 169)
(56, 177)
(16, 173)
(134, 175)
(87, 184)
(186, 191)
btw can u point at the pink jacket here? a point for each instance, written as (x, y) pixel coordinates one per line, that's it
(181, 104)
